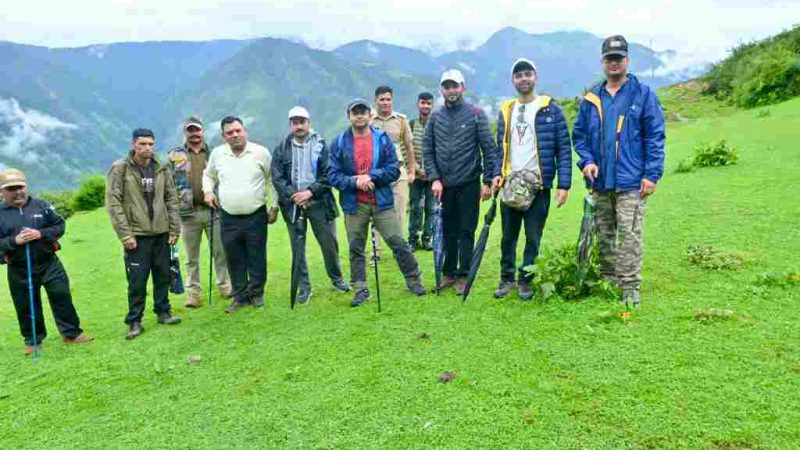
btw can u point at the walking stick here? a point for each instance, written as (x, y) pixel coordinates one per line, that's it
(375, 262)
(30, 301)
(210, 252)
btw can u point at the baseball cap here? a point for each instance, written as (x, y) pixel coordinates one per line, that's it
(358, 102)
(299, 111)
(193, 121)
(522, 64)
(452, 75)
(142, 132)
(12, 177)
(615, 45)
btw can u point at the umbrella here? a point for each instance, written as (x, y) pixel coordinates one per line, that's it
(480, 246)
(375, 263)
(299, 224)
(438, 245)
(175, 278)
(586, 238)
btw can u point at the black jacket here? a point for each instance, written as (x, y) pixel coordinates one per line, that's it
(36, 214)
(452, 145)
(282, 176)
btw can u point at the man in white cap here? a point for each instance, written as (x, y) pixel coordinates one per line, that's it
(534, 140)
(459, 155)
(30, 228)
(300, 177)
(187, 163)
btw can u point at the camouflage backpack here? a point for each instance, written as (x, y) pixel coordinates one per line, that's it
(520, 188)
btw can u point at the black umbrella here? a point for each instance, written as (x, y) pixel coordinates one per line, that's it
(438, 245)
(586, 238)
(298, 245)
(480, 246)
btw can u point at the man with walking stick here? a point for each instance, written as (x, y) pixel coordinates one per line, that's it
(29, 232)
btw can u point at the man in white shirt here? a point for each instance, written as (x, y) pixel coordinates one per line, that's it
(240, 172)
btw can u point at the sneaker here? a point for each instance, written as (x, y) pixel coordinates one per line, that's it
(341, 286)
(226, 291)
(414, 243)
(504, 288)
(235, 306)
(525, 291)
(630, 297)
(361, 297)
(304, 296)
(461, 286)
(193, 300)
(168, 319)
(416, 288)
(427, 244)
(29, 349)
(447, 282)
(82, 338)
(257, 302)
(134, 331)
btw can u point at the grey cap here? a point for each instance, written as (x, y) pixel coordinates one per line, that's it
(358, 102)
(615, 45)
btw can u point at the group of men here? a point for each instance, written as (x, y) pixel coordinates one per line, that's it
(379, 164)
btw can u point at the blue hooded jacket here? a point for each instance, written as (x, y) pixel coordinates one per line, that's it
(342, 169)
(639, 140)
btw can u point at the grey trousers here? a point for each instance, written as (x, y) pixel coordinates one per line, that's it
(192, 229)
(325, 233)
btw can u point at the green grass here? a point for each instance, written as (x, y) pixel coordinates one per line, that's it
(538, 375)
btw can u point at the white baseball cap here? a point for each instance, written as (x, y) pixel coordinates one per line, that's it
(299, 111)
(524, 64)
(452, 75)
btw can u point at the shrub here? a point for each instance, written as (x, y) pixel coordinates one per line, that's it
(763, 113)
(709, 258)
(91, 193)
(61, 201)
(685, 166)
(714, 155)
(787, 279)
(556, 274)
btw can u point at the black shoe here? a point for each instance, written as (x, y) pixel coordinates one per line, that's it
(135, 331)
(304, 296)
(257, 302)
(414, 243)
(504, 288)
(168, 319)
(525, 291)
(361, 297)
(235, 306)
(341, 286)
(416, 288)
(427, 244)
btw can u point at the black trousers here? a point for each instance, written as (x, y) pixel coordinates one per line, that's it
(53, 278)
(512, 219)
(325, 232)
(244, 238)
(460, 208)
(150, 256)
(421, 204)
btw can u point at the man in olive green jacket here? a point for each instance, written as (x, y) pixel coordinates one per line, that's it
(143, 206)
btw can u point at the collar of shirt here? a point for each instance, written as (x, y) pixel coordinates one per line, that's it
(229, 150)
(391, 116)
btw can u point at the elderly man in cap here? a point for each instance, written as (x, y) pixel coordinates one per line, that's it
(145, 213)
(619, 134)
(30, 228)
(363, 165)
(534, 139)
(187, 163)
(459, 155)
(300, 177)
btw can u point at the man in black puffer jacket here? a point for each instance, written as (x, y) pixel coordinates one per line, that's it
(534, 139)
(459, 152)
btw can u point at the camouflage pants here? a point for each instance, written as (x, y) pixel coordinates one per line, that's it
(619, 217)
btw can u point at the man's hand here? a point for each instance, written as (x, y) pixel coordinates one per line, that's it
(211, 200)
(302, 197)
(411, 177)
(129, 244)
(437, 188)
(497, 183)
(648, 187)
(173, 239)
(272, 215)
(486, 192)
(27, 235)
(590, 172)
(561, 197)
(362, 181)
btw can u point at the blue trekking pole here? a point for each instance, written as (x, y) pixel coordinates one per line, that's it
(210, 252)
(30, 301)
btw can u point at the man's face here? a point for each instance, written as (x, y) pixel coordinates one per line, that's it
(235, 135)
(452, 91)
(359, 117)
(524, 81)
(615, 66)
(194, 135)
(143, 147)
(16, 196)
(384, 102)
(299, 127)
(424, 107)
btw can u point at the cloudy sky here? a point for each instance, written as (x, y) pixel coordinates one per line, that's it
(705, 28)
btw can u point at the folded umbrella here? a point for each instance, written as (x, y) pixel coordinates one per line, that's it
(586, 238)
(175, 278)
(480, 246)
(298, 244)
(438, 245)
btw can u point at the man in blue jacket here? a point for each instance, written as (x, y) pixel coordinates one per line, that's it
(362, 166)
(619, 134)
(534, 140)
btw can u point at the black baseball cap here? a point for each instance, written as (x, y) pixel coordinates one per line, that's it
(142, 132)
(615, 45)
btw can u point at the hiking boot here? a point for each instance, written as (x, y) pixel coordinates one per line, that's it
(168, 319)
(461, 286)
(504, 288)
(226, 291)
(304, 296)
(361, 297)
(630, 298)
(414, 243)
(135, 331)
(341, 286)
(447, 282)
(257, 302)
(235, 306)
(82, 338)
(427, 244)
(525, 291)
(193, 300)
(416, 288)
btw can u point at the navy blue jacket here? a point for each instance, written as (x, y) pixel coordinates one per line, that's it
(342, 169)
(36, 214)
(640, 136)
(552, 143)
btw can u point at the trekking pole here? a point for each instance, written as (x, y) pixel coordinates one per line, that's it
(375, 263)
(30, 301)
(210, 251)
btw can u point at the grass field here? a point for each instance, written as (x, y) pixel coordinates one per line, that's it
(537, 375)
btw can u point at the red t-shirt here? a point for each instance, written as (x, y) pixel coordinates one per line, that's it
(362, 153)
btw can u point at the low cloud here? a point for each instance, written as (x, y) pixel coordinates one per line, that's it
(21, 130)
